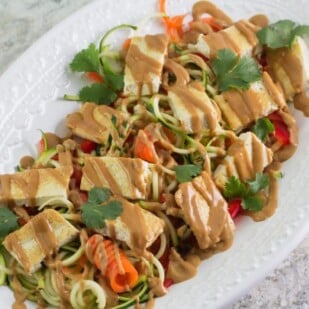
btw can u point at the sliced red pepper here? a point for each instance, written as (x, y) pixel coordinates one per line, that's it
(41, 146)
(95, 77)
(88, 146)
(281, 132)
(168, 282)
(77, 175)
(234, 207)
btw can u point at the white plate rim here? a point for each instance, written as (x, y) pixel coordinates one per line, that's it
(281, 251)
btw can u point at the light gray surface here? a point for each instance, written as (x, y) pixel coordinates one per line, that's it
(22, 22)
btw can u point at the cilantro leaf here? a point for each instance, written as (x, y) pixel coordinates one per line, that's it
(234, 188)
(94, 215)
(87, 60)
(186, 172)
(262, 128)
(281, 34)
(247, 191)
(253, 203)
(8, 222)
(114, 80)
(234, 72)
(260, 182)
(98, 209)
(97, 93)
(99, 195)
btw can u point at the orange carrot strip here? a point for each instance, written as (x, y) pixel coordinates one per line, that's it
(126, 44)
(113, 263)
(144, 148)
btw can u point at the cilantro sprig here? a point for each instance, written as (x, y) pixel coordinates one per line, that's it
(8, 222)
(234, 72)
(262, 128)
(281, 34)
(108, 68)
(186, 172)
(99, 208)
(247, 191)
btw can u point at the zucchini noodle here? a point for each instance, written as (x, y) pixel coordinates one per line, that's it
(163, 243)
(152, 170)
(79, 289)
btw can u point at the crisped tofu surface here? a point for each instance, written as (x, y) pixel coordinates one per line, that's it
(193, 109)
(204, 210)
(35, 187)
(290, 67)
(144, 63)
(95, 122)
(137, 227)
(38, 238)
(239, 37)
(245, 157)
(240, 108)
(126, 177)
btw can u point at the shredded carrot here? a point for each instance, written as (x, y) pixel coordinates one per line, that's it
(95, 77)
(144, 147)
(112, 262)
(212, 23)
(173, 24)
(126, 44)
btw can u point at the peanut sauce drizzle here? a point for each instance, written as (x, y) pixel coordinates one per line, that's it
(290, 63)
(193, 100)
(97, 173)
(206, 7)
(143, 67)
(188, 197)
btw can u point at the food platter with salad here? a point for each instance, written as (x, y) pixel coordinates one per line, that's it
(170, 145)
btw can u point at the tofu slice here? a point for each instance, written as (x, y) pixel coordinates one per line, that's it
(137, 227)
(240, 108)
(290, 67)
(239, 37)
(144, 63)
(39, 238)
(204, 210)
(35, 187)
(127, 177)
(245, 157)
(95, 122)
(193, 108)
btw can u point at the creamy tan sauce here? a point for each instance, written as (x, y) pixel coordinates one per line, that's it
(301, 102)
(142, 66)
(286, 151)
(26, 162)
(248, 31)
(259, 20)
(137, 227)
(188, 197)
(206, 7)
(43, 234)
(290, 63)
(179, 269)
(245, 104)
(157, 286)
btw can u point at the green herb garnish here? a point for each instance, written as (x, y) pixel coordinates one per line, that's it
(8, 222)
(98, 208)
(262, 128)
(281, 34)
(247, 190)
(186, 172)
(234, 72)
